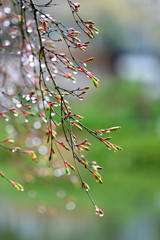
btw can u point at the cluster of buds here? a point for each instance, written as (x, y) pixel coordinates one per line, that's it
(97, 176)
(76, 5)
(66, 164)
(18, 186)
(32, 154)
(85, 185)
(8, 140)
(3, 114)
(99, 211)
(108, 130)
(83, 146)
(50, 134)
(89, 25)
(51, 153)
(77, 126)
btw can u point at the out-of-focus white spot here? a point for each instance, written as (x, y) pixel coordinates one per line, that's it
(70, 206)
(7, 9)
(37, 125)
(58, 172)
(31, 194)
(61, 193)
(41, 209)
(6, 23)
(9, 128)
(43, 65)
(29, 143)
(36, 141)
(43, 150)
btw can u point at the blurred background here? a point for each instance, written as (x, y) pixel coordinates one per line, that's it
(127, 62)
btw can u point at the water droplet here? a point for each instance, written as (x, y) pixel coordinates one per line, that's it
(54, 59)
(44, 120)
(47, 78)
(32, 64)
(74, 81)
(29, 30)
(29, 75)
(16, 114)
(7, 119)
(101, 214)
(19, 105)
(43, 65)
(74, 72)
(26, 120)
(55, 105)
(27, 97)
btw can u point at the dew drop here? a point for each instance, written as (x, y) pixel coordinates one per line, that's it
(43, 65)
(32, 64)
(44, 120)
(54, 59)
(19, 105)
(101, 214)
(26, 120)
(29, 30)
(27, 98)
(7, 119)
